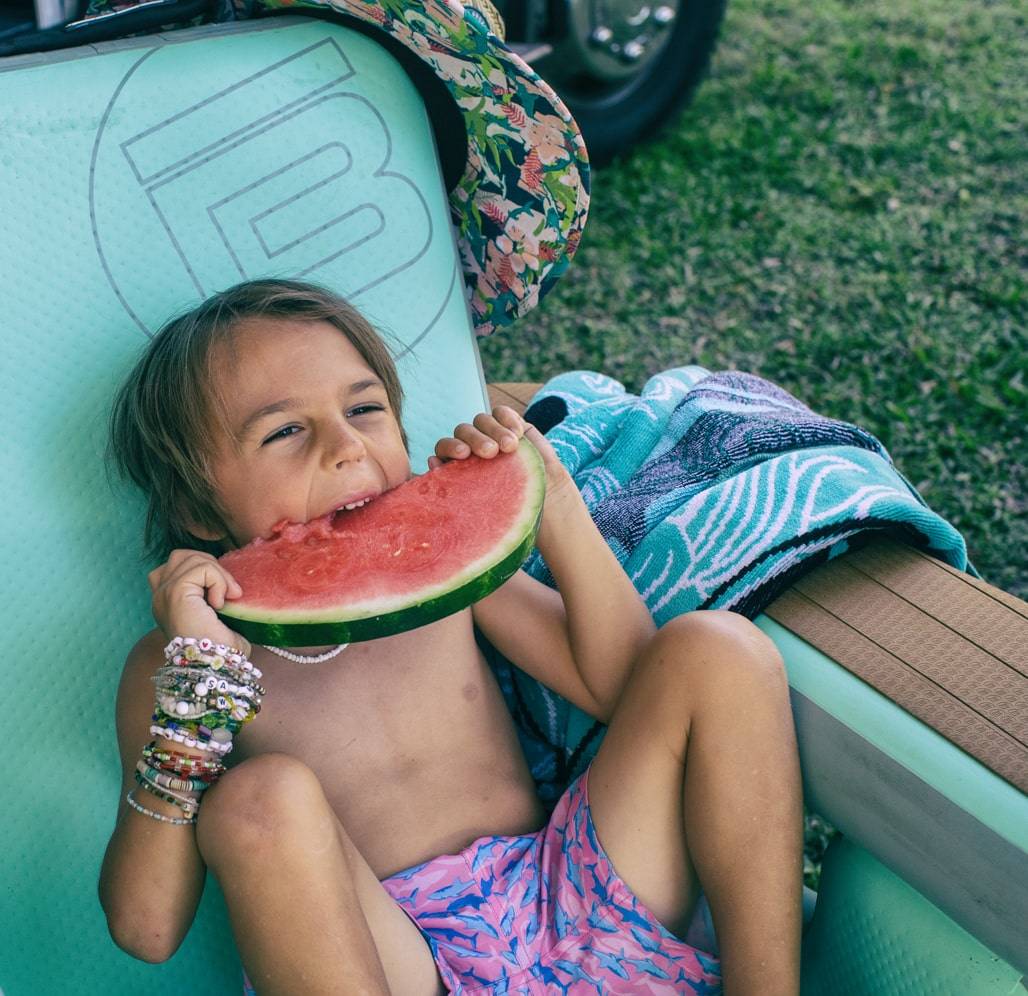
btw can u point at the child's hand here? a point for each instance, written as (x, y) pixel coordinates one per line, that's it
(500, 433)
(181, 603)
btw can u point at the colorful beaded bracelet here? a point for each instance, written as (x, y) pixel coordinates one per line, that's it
(158, 816)
(222, 680)
(167, 754)
(208, 776)
(194, 695)
(165, 780)
(184, 710)
(187, 804)
(218, 746)
(190, 689)
(188, 648)
(191, 796)
(202, 727)
(205, 681)
(186, 795)
(179, 763)
(190, 699)
(202, 734)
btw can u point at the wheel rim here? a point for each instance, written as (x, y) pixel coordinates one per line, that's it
(613, 45)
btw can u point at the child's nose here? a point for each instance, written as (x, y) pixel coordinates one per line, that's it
(343, 444)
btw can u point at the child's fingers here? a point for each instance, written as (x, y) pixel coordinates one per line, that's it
(216, 593)
(233, 589)
(230, 588)
(213, 580)
(477, 441)
(495, 432)
(450, 449)
(472, 439)
(508, 417)
(210, 579)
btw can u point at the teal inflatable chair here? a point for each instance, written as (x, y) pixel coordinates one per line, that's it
(139, 175)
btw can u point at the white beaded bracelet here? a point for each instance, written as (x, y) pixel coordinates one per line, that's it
(217, 655)
(178, 821)
(216, 746)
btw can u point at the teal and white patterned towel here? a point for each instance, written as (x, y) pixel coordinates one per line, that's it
(714, 490)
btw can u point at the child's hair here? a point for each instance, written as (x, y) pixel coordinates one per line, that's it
(161, 430)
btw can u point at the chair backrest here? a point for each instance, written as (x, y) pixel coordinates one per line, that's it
(136, 177)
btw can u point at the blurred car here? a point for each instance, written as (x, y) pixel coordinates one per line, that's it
(623, 67)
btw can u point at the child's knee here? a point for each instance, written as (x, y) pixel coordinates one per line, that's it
(719, 644)
(253, 805)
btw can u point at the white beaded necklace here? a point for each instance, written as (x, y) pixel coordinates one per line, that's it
(300, 659)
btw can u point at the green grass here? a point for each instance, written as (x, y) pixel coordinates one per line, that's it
(838, 211)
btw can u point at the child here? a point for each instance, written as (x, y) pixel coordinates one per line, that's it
(376, 829)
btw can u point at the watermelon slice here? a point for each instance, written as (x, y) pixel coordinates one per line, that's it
(422, 551)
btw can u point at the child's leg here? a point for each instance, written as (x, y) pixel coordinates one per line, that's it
(699, 775)
(308, 914)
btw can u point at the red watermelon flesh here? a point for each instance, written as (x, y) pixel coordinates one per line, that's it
(426, 548)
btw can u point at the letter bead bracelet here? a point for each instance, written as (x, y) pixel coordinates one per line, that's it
(206, 692)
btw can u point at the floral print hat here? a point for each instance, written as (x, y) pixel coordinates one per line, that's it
(522, 201)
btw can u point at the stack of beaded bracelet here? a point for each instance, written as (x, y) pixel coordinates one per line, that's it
(205, 693)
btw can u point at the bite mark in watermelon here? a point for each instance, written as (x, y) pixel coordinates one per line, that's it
(422, 551)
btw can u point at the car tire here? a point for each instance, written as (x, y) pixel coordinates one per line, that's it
(614, 117)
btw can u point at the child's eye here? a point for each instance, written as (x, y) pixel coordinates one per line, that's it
(285, 432)
(281, 434)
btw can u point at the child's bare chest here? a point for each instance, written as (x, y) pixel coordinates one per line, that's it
(410, 739)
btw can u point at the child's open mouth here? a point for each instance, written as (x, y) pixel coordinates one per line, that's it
(352, 506)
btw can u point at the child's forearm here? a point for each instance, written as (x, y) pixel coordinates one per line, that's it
(151, 880)
(608, 622)
(152, 875)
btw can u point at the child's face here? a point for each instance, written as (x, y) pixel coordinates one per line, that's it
(334, 441)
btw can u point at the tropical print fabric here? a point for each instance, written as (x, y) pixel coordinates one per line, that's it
(546, 913)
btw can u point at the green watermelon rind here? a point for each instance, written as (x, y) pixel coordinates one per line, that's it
(438, 603)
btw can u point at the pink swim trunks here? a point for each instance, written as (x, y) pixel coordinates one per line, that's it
(545, 913)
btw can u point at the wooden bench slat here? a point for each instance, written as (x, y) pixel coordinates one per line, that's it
(991, 624)
(932, 703)
(934, 649)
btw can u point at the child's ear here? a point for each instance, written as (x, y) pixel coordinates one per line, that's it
(209, 535)
(208, 532)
